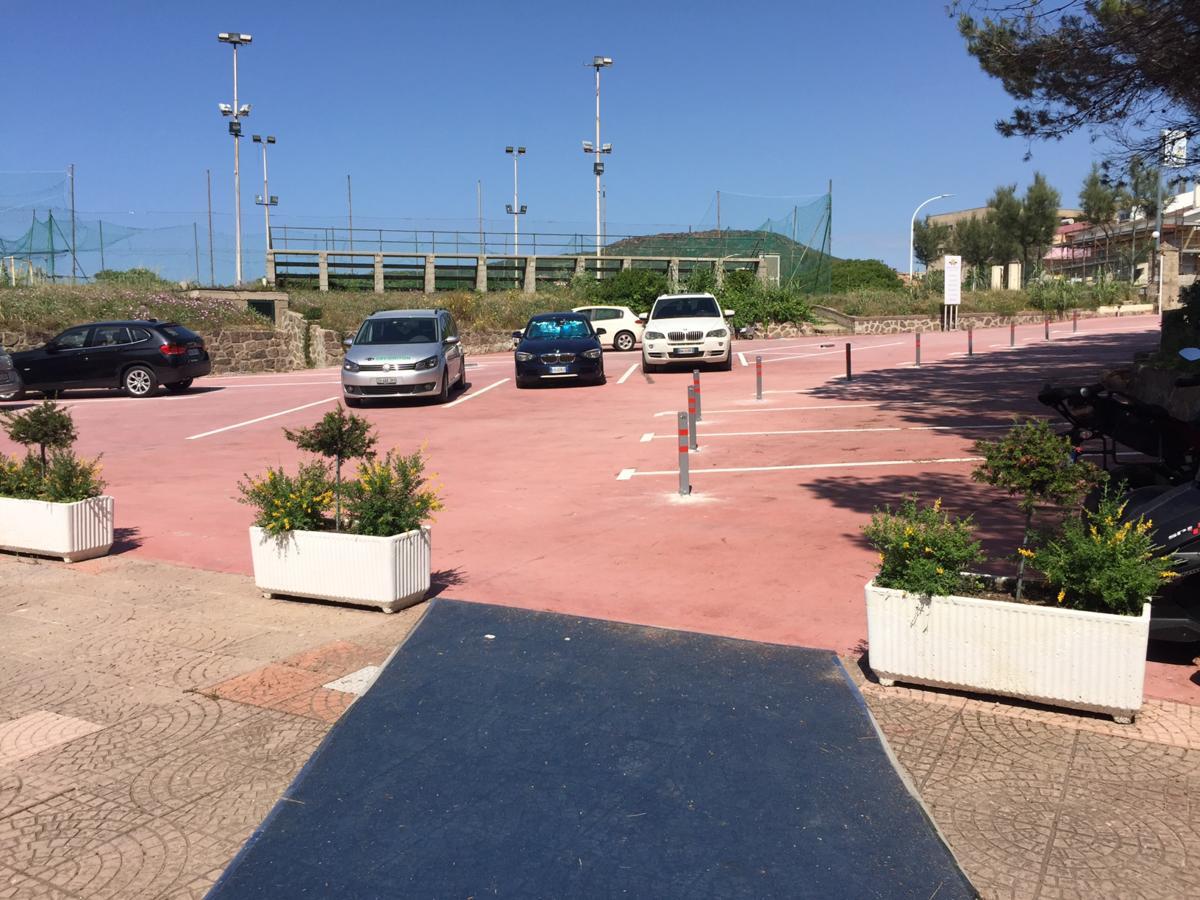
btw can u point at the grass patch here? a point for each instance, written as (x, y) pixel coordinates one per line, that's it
(904, 303)
(51, 308)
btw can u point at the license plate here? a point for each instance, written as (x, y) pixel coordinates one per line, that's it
(558, 370)
(686, 351)
(385, 380)
(193, 354)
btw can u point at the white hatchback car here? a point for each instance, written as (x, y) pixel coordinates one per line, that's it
(687, 328)
(622, 327)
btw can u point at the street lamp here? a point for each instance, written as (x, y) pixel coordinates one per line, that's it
(598, 63)
(236, 112)
(515, 209)
(266, 200)
(912, 227)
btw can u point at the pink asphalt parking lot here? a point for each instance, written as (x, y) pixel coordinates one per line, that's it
(565, 498)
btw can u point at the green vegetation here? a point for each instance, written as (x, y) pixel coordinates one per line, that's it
(54, 307)
(143, 278)
(389, 497)
(55, 473)
(923, 550)
(863, 274)
(1103, 562)
(1034, 463)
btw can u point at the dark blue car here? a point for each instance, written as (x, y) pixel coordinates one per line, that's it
(559, 347)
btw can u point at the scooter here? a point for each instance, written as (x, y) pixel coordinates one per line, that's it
(1164, 487)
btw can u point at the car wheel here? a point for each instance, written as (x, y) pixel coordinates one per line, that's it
(18, 394)
(624, 341)
(140, 381)
(727, 365)
(352, 402)
(462, 376)
(601, 378)
(648, 368)
(444, 392)
(523, 383)
(179, 387)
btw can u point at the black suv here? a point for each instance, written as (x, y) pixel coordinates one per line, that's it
(133, 356)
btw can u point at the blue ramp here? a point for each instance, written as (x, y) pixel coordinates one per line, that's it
(508, 753)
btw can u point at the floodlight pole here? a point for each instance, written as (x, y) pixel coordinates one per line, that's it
(235, 129)
(266, 201)
(912, 227)
(516, 209)
(598, 63)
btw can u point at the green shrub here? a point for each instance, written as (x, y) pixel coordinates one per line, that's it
(863, 274)
(701, 280)
(339, 436)
(70, 479)
(1103, 562)
(923, 549)
(20, 479)
(391, 496)
(135, 277)
(635, 288)
(284, 502)
(47, 427)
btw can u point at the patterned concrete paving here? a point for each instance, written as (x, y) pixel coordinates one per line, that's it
(151, 715)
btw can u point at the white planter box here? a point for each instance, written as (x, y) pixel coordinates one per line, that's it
(1061, 657)
(71, 531)
(388, 572)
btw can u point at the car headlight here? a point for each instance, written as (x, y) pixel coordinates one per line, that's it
(350, 365)
(592, 354)
(427, 363)
(522, 356)
(653, 335)
(718, 332)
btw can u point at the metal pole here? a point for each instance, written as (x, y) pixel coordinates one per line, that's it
(1047, 328)
(696, 384)
(758, 377)
(970, 340)
(912, 226)
(350, 210)
(1158, 227)
(596, 164)
(516, 211)
(479, 212)
(1074, 320)
(75, 259)
(101, 224)
(918, 343)
(266, 198)
(237, 183)
(685, 486)
(849, 376)
(1012, 334)
(212, 267)
(692, 445)
(196, 245)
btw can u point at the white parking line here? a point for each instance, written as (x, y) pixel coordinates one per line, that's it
(672, 412)
(626, 474)
(651, 437)
(834, 352)
(261, 418)
(628, 372)
(742, 359)
(465, 397)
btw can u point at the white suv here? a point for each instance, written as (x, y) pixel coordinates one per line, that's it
(687, 328)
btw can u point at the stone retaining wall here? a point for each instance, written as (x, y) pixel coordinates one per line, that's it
(261, 349)
(915, 323)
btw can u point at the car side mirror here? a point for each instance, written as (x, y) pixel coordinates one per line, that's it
(348, 343)
(451, 341)
(52, 347)
(644, 316)
(729, 313)
(518, 334)
(600, 331)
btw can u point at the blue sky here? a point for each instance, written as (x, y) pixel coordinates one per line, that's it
(417, 101)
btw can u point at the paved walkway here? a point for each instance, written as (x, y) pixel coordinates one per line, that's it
(150, 715)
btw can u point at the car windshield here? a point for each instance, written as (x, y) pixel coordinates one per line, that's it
(552, 329)
(398, 331)
(687, 308)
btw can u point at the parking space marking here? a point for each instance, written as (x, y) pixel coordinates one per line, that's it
(628, 372)
(674, 412)
(856, 349)
(465, 397)
(627, 474)
(262, 418)
(742, 359)
(652, 437)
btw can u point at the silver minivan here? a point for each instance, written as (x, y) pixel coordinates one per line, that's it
(403, 353)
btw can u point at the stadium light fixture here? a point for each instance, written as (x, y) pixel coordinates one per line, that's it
(235, 111)
(515, 209)
(266, 199)
(912, 227)
(598, 63)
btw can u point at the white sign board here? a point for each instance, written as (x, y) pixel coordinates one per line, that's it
(953, 290)
(1174, 149)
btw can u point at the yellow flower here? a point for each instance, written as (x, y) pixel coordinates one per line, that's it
(908, 530)
(1144, 526)
(1026, 552)
(941, 571)
(937, 505)
(1062, 595)
(881, 558)
(905, 545)
(1167, 574)
(1095, 534)
(1108, 520)
(287, 524)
